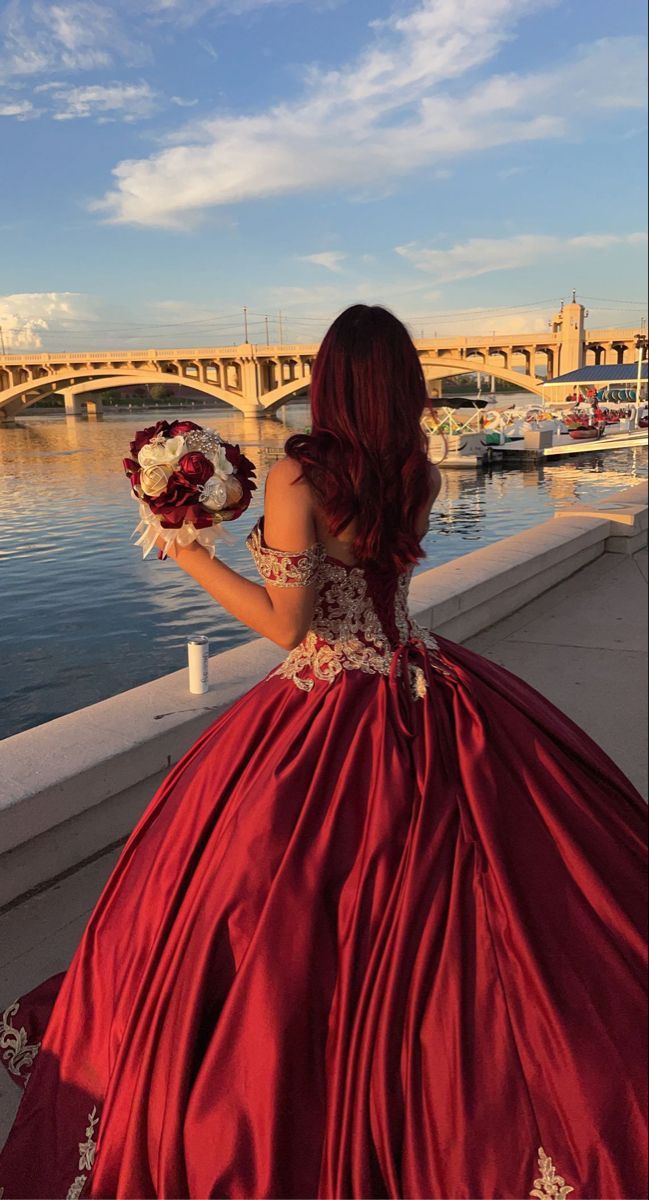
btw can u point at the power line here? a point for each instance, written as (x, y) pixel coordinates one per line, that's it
(618, 303)
(102, 329)
(215, 326)
(230, 317)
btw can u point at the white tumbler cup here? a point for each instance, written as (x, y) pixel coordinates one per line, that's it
(198, 663)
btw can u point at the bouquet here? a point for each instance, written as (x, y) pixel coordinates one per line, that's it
(187, 482)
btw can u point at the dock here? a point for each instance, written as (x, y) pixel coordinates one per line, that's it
(470, 450)
(564, 446)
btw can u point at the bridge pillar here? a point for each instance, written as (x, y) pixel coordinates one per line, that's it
(250, 387)
(72, 402)
(95, 408)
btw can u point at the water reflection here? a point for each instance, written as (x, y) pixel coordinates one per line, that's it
(84, 617)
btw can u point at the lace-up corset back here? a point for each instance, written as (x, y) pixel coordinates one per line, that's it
(360, 617)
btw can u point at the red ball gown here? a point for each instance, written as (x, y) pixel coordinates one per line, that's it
(380, 933)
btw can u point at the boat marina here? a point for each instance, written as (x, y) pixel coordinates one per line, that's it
(605, 410)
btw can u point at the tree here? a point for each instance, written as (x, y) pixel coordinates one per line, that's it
(161, 391)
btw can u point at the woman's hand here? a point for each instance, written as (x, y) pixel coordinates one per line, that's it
(281, 614)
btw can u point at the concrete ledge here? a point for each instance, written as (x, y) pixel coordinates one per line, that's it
(76, 785)
(463, 597)
(628, 515)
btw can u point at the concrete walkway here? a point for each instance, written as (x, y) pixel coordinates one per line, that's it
(583, 644)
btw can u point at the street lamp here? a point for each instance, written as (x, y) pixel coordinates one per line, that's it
(641, 347)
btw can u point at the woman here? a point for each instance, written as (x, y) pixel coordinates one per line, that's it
(379, 934)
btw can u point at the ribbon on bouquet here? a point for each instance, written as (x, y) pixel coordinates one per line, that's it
(150, 529)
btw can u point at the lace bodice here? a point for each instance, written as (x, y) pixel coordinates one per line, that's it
(359, 622)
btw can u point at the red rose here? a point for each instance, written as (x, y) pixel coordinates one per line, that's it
(132, 470)
(179, 504)
(146, 435)
(195, 468)
(177, 492)
(184, 514)
(177, 428)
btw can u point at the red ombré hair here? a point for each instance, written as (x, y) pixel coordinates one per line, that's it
(366, 456)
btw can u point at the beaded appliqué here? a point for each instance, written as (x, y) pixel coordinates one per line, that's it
(346, 632)
(549, 1186)
(17, 1053)
(87, 1152)
(282, 569)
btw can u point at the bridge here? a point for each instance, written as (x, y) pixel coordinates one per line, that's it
(259, 379)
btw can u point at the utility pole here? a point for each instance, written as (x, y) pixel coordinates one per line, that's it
(281, 329)
(267, 331)
(245, 325)
(641, 346)
(2, 340)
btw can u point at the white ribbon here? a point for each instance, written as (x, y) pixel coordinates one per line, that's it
(150, 529)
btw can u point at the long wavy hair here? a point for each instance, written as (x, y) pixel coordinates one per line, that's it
(366, 455)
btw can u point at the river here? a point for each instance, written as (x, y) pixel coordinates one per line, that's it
(84, 617)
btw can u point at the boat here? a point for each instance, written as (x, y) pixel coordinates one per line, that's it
(588, 432)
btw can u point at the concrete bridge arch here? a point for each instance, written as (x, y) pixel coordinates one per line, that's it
(440, 368)
(73, 385)
(271, 401)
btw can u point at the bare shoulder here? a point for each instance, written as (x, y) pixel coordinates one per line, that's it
(289, 522)
(285, 473)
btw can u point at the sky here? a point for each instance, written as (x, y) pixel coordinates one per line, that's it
(168, 163)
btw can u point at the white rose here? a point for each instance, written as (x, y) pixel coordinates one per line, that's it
(153, 479)
(222, 465)
(162, 453)
(214, 494)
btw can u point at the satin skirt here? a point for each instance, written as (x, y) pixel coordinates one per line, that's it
(355, 947)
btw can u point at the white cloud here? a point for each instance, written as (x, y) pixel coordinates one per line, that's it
(19, 108)
(409, 100)
(482, 256)
(79, 35)
(26, 316)
(331, 260)
(188, 12)
(130, 101)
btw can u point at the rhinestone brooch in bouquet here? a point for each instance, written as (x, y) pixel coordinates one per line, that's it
(188, 482)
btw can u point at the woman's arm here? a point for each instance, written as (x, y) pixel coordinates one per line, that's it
(282, 614)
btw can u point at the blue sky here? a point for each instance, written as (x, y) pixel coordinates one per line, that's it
(166, 162)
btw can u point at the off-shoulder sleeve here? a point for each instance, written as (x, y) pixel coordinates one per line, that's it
(281, 568)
